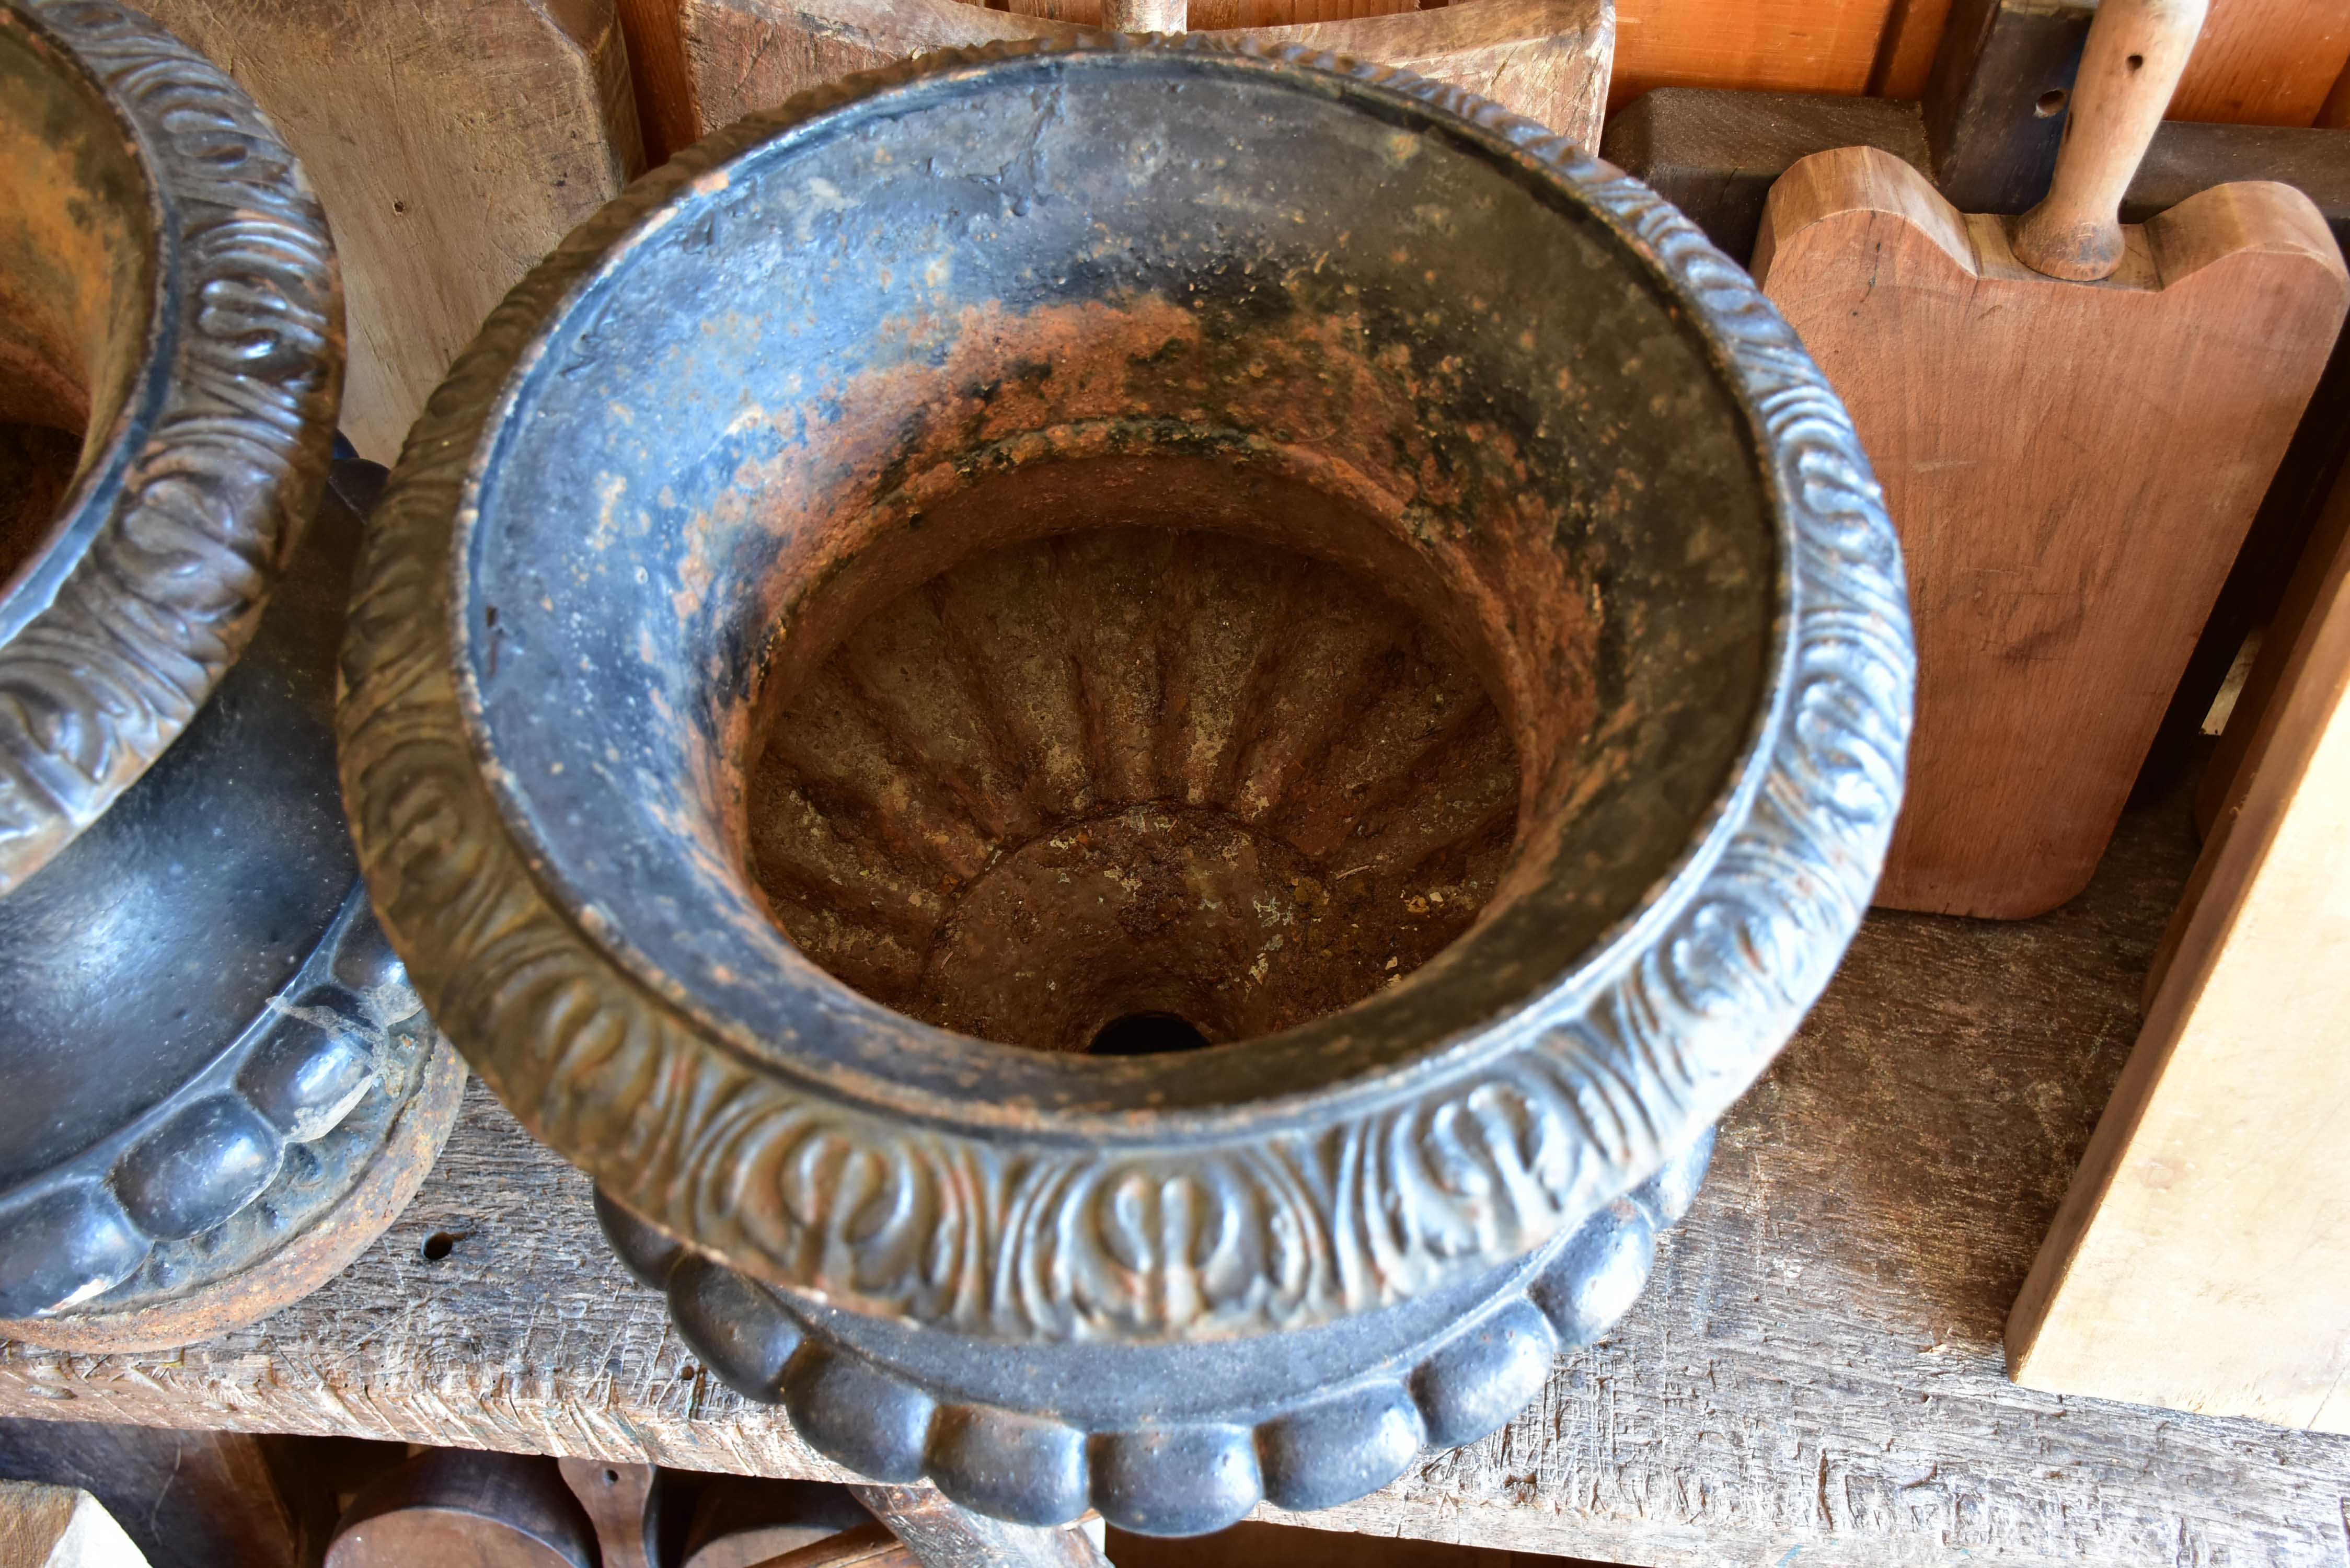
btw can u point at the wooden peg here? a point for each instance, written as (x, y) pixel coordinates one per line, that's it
(2129, 68)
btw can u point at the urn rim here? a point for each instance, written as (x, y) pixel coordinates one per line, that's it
(189, 496)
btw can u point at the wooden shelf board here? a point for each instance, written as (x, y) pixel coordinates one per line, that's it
(1814, 1376)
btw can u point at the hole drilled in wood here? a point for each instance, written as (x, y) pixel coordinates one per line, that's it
(2052, 102)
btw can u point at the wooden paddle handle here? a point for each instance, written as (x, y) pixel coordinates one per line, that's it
(2129, 68)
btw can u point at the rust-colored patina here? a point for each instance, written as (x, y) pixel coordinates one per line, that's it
(1133, 771)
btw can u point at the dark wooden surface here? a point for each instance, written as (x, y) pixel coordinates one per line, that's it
(1814, 1376)
(1716, 154)
(186, 1499)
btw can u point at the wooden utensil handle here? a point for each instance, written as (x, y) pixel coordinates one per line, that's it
(2129, 68)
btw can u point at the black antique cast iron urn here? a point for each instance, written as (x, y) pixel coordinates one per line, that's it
(220, 1084)
(1133, 737)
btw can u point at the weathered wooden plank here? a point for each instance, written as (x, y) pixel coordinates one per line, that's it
(1816, 1366)
(1546, 59)
(453, 143)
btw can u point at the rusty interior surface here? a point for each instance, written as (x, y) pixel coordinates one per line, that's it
(1289, 584)
(75, 286)
(1077, 784)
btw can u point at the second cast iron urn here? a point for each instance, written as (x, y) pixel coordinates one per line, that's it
(1133, 737)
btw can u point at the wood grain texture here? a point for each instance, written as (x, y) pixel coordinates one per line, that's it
(1816, 1365)
(1547, 59)
(2334, 114)
(939, 1533)
(2201, 1260)
(1776, 45)
(187, 1499)
(453, 143)
(623, 1502)
(60, 1527)
(2228, 779)
(2072, 467)
(2265, 62)
(667, 118)
(1905, 50)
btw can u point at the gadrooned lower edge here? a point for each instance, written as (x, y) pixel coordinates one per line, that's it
(75, 1235)
(1183, 1479)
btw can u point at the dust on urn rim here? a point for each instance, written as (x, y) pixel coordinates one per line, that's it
(190, 495)
(1581, 1090)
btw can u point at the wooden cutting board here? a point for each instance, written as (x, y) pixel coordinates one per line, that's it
(2201, 1260)
(2072, 462)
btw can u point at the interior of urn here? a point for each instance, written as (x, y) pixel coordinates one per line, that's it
(938, 589)
(1138, 788)
(75, 288)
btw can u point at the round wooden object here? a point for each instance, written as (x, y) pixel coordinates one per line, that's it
(453, 1508)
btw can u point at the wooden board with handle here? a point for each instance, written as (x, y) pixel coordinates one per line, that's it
(2201, 1260)
(1547, 59)
(2071, 460)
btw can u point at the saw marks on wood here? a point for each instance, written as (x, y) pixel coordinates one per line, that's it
(2071, 466)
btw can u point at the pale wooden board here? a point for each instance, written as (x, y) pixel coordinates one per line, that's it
(1817, 1365)
(2071, 467)
(453, 143)
(59, 1527)
(2202, 1259)
(1547, 59)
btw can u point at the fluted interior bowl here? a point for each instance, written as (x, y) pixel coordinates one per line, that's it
(171, 355)
(1050, 582)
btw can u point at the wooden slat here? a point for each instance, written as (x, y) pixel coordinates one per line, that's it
(1547, 59)
(1905, 53)
(666, 114)
(2265, 62)
(2259, 62)
(2201, 1260)
(60, 1527)
(1777, 46)
(453, 143)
